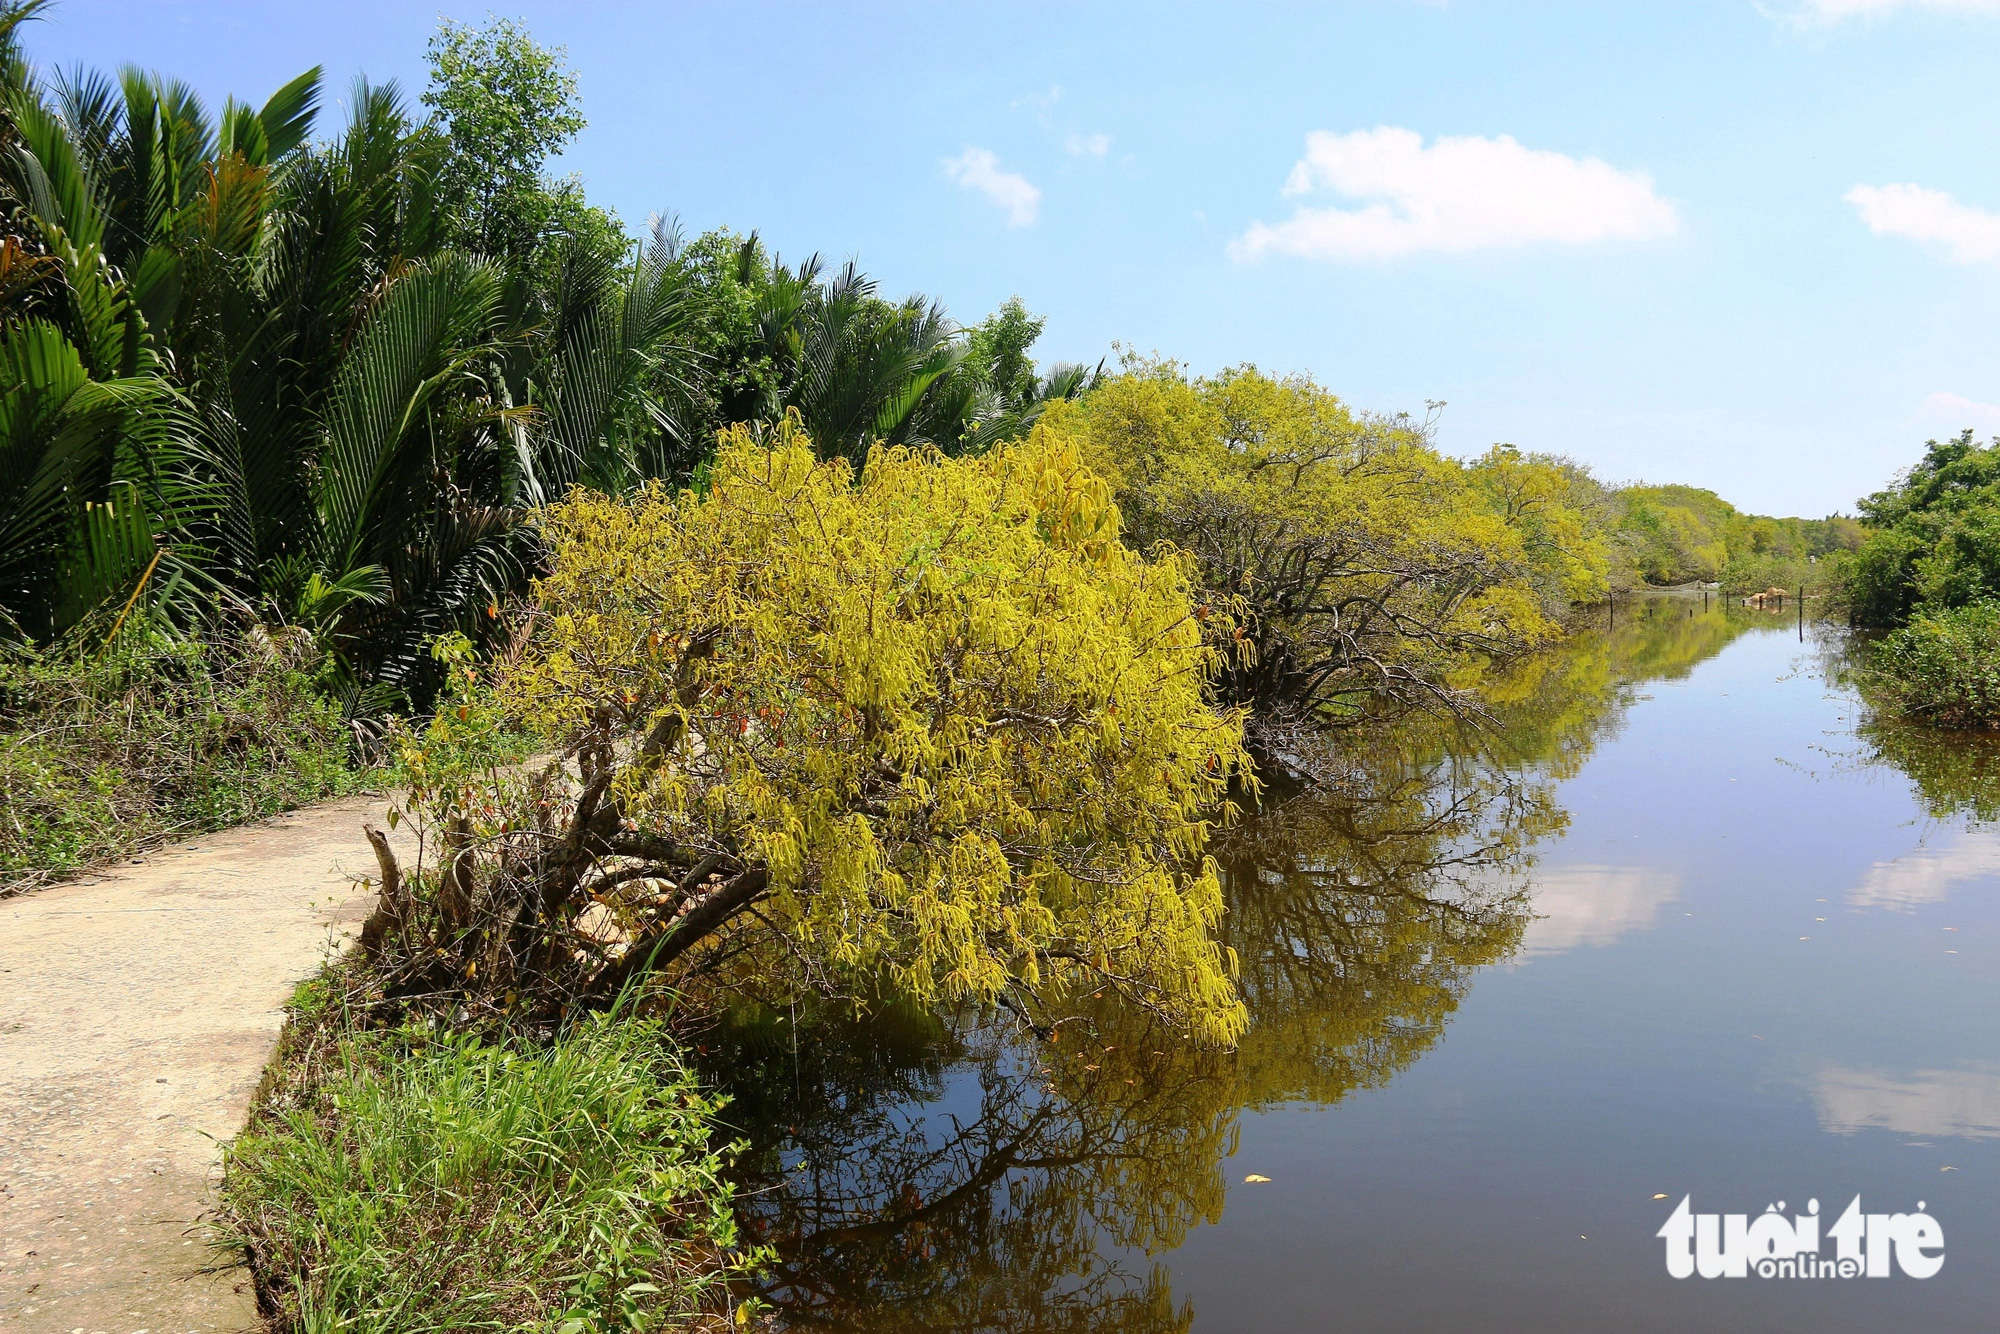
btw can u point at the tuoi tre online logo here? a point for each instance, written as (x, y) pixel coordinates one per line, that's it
(1774, 1246)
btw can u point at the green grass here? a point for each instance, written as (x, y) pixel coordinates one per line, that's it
(412, 1181)
(103, 754)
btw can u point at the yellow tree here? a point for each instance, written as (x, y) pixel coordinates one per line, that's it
(1562, 516)
(932, 727)
(1361, 567)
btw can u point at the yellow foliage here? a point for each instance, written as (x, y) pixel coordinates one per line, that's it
(961, 725)
(1367, 563)
(1559, 514)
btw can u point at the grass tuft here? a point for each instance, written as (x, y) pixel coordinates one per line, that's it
(416, 1180)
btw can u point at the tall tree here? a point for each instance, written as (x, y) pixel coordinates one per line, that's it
(505, 105)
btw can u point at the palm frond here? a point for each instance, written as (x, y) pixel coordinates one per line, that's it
(65, 441)
(90, 106)
(52, 179)
(431, 324)
(287, 115)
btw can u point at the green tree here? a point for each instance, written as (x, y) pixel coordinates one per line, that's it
(506, 105)
(329, 381)
(246, 370)
(1936, 539)
(1563, 517)
(1942, 666)
(765, 338)
(999, 349)
(1012, 395)
(1676, 533)
(96, 487)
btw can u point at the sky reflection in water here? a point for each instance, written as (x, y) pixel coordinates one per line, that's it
(1685, 922)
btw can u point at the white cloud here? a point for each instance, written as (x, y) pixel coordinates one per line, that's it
(1089, 145)
(1963, 1103)
(1461, 193)
(1970, 234)
(1579, 906)
(1826, 13)
(1039, 103)
(1956, 412)
(977, 169)
(1928, 875)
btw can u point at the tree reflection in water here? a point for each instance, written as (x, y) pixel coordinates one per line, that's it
(922, 1172)
(1956, 775)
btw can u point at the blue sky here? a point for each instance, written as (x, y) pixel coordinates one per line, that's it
(1749, 246)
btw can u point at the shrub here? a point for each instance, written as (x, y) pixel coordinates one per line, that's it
(413, 1180)
(102, 754)
(1943, 667)
(932, 725)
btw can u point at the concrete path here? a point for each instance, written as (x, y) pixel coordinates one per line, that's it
(137, 1011)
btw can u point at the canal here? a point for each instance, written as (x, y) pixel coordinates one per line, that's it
(1681, 921)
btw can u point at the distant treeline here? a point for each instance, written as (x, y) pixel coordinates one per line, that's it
(1678, 534)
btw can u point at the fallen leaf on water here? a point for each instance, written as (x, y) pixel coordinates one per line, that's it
(1253, 1177)
(1661, 1196)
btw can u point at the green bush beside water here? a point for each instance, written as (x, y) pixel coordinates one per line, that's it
(410, 1180)
(1943, 667)
(1930, 571)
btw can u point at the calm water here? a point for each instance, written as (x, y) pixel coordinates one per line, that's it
(1684, 923)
